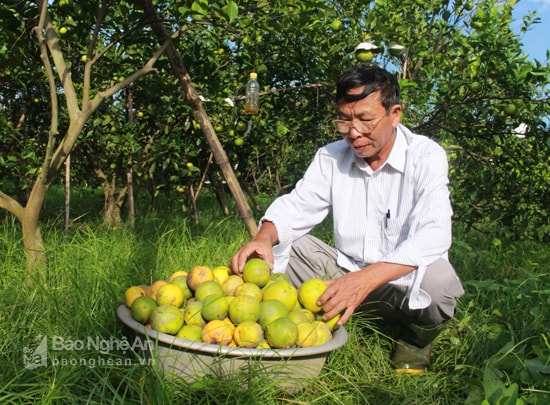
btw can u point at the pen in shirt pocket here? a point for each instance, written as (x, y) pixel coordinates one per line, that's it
(388, 216)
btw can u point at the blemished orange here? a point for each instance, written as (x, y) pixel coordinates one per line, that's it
(192, 314)
(217, 332)
(249, 289)
(231, 283)
(244, 308)
(167, 319)
(199, 274)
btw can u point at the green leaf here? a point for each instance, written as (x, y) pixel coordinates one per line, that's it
(200, 7)
(232, 10)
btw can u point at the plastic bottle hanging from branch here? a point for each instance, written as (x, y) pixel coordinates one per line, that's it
(251, 106)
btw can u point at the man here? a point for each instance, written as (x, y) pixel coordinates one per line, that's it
(387, 190)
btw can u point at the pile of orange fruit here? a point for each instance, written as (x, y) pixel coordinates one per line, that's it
(259, 309)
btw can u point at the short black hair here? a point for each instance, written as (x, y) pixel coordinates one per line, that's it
(372, 78)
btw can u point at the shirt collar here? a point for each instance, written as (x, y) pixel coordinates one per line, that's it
(397, 156)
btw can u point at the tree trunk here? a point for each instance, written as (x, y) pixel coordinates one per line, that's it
(194, 101)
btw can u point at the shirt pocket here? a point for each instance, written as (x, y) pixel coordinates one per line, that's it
(393, 233)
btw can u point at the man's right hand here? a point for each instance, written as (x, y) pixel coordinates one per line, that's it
(260, 246)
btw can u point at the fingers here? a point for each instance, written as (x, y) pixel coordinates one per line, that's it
(341, 297)
(248, 251)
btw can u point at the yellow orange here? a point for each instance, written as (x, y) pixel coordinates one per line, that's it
(170, 294)
(282, 291)
(248, 334)
(175, 274)
(307, 335)
(132, 293)
(192, 314)
(217, 332)
(198, 275)
(231, 283)
(155, 287)
(221, 273)
(310, 291)
(249, 289)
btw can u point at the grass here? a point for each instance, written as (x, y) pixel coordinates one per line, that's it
(497, 349)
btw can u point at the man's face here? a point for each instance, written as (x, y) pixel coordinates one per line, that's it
(373, 139)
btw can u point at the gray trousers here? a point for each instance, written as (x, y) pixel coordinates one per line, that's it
(311, 257)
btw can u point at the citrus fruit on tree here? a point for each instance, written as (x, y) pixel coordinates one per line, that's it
(282, 333)
(142, 308)
(181, 282)
(198, 275)
(214, 307)
(282, 291)
(192, 314)
(170, 294)
(167, 319)
(190, 332)
(244, 308)
(364, 55)
(231, 283)
(307, 334)
(132, 293)
(248, 334)
(270, 310)
(206, 288)
(310, 291)
(217, 332)
(256, 271)
(336, 25)
(249, 289)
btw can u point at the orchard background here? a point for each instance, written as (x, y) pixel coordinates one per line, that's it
(116, 112)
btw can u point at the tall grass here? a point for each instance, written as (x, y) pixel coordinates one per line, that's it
(501, 324)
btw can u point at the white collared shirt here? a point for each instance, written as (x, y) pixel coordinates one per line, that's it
(400, 213)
